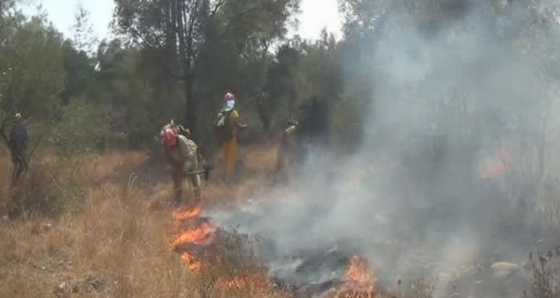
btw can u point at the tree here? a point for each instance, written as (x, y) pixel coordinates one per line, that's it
(80, 78)
(83, 39)
(178, 31)
(31, 78)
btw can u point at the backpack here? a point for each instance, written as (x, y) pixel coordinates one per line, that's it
(223, 127)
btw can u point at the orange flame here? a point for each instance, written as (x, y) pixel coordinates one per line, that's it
(359, 283)
(180, 215)
(191, 261)
(190, 232)
(196, 235)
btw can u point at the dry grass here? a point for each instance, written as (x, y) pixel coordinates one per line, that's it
(116, 245)
(260, 159)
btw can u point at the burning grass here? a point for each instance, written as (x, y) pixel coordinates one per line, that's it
(358, 282)
(193, 235)
(222, 262)
(119, 245)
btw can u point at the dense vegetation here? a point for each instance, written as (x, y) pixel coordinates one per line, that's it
(176, 59)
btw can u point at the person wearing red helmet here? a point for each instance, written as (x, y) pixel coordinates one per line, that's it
(228, 126)
(182, 154)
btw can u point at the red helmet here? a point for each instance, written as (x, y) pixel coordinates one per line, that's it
(229, 96)
(170, 137)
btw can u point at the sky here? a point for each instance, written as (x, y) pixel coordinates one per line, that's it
(316, 15)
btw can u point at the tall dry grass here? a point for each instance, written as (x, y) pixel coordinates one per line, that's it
(117, 244)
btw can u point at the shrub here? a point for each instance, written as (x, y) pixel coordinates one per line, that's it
(81, 128)
(46, 190)
(347, 119)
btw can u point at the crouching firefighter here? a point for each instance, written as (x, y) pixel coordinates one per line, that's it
(182, 155)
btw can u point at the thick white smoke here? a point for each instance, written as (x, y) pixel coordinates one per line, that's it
(412, 199)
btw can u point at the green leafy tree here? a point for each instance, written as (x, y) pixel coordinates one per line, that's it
(177, 32)
(32, 76)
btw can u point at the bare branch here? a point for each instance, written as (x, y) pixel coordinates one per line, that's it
(239, 17)
(219, 4)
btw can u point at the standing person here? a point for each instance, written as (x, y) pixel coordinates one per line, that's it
(227, 127)
(286, 153)
(18, 143)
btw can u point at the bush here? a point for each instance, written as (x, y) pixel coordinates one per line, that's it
(46, 190)
(347, 119)
(82, 127)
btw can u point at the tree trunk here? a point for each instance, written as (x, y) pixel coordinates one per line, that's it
(190, 105)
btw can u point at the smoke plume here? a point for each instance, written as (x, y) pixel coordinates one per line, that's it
(451, 101)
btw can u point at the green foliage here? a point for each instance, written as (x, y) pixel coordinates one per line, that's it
(176, 59)
(32, 76)
(209, 46)
(137, 97)
(347, 120)
(80, 73)
(81, 128)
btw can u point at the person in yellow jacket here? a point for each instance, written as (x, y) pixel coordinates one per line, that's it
(286, 154)
(228, 127)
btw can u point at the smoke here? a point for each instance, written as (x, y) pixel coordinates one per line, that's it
(447, 100)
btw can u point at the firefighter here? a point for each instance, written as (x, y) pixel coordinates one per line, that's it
(286, 154)
(182, 155)
(228, 126)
